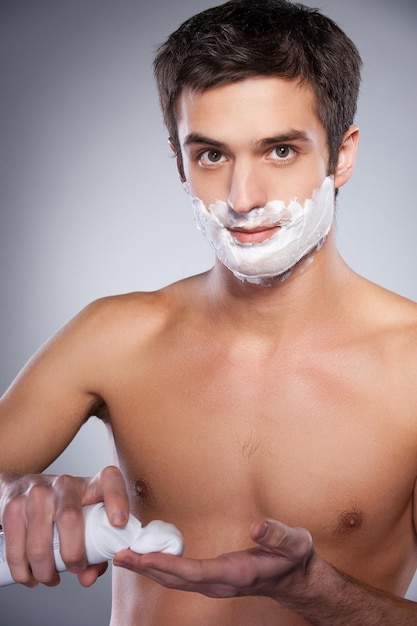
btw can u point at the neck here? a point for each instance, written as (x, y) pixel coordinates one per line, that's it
(311, 292)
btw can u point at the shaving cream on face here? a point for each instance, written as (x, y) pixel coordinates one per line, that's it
(300, 230)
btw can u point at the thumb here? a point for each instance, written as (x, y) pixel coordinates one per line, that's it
(293, 543)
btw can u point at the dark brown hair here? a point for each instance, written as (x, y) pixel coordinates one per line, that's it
(246, 38)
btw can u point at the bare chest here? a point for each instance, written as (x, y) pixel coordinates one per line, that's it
(220, 445)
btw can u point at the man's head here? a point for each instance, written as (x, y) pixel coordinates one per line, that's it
(248, 38)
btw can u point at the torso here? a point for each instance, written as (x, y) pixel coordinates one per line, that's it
(214, 430)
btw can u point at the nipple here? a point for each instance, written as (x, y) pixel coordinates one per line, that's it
(142, 490)
(349, 521)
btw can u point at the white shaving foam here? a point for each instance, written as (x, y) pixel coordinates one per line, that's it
(301, 229)
(158, 536)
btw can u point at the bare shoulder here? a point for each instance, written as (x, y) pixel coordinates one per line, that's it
(71, 375)
(393, 311)
(142, 314)
(390, 322)
(105, 331)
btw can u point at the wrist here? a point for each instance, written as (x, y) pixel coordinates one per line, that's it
(304, 584)
(316, 588)
(323, 595)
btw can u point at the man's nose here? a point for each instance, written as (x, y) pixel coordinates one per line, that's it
(247, 190)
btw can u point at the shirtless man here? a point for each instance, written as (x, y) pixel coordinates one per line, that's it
(279, 385)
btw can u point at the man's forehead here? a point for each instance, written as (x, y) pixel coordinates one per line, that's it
(253, 87)
(272, 103)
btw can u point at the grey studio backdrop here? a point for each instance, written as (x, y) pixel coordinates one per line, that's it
(91, 204)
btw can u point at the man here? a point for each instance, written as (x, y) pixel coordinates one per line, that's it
(277, 386)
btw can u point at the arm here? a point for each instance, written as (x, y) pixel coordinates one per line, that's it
(285, 568)
(39, 415)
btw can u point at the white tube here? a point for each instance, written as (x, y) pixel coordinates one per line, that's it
(102, 540)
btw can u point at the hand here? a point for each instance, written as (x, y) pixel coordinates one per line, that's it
(277, 563)
(30, 504)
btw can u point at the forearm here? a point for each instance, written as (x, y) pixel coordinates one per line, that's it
(333, 598)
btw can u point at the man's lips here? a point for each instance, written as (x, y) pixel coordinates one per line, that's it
(255, 235)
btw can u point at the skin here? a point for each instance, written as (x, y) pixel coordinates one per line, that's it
(233, 406)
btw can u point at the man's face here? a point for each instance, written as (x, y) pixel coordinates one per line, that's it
(247, 148)
(251, 142)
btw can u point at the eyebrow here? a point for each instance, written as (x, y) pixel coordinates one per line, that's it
(287, 137)
(195, 138)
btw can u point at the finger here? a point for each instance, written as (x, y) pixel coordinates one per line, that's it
(164, 569)
(163, 563)
(111, 486)
(292, 543)
(89, 576)
(14, 528)
(69, 520)
(228, 575)
(227, 569)
(40, 508)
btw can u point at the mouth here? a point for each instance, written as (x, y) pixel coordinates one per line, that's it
(255, 235)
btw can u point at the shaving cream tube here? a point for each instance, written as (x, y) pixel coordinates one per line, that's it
(102, 540)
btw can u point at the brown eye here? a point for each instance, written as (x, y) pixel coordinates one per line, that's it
(214, 156)
(211, 157)
(282, 151)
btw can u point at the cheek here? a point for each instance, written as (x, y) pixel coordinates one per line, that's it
(206, 186)
(302, 184)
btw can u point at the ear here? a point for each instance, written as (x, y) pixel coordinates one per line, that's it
(347, 156)
(171, 145)
(178, 157)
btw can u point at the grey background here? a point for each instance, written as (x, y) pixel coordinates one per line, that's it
(91, 205)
